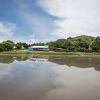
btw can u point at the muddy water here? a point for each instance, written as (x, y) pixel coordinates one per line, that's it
(49, 78)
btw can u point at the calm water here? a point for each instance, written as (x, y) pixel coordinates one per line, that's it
(49, 78)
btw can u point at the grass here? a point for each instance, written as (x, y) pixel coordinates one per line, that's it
(47, 52)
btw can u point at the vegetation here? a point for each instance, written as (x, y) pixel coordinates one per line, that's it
(6, 46)
(95, 45)
(46, 53)
(76, 44)
(79, 43)
(21, 45)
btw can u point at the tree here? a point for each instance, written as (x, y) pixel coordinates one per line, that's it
(59, 43)
(10, 41)
(84, 41)
(52, 45)
(95, 45)
(2, 48)
(69, 45)
(38, 44)
(79, 43)
(7, 46)
(20, 44)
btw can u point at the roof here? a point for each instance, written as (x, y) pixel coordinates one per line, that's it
(59, 48)
(39, 46)
(14, 47)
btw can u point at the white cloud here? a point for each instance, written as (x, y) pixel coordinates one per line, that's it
(6, 30)
(32, 36)
(5, 70)
(74, 17)
(37, 22)
(32, 39)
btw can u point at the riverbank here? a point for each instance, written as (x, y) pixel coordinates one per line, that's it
(46, 53)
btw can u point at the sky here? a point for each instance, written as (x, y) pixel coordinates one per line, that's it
(47, 20)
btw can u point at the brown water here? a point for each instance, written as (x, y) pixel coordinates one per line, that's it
(49, 78)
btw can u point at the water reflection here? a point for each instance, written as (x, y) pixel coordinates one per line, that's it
(5, 70)
(77, 61)
(27, 81)
(49, 78)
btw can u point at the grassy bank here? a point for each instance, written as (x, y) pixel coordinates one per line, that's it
(47, 53)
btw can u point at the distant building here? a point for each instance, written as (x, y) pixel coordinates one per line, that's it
(59, 49)
(22, 48)
(14, 48)
(39, 48)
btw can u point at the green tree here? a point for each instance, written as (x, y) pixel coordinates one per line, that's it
(10, 41)
(38, 44)
(59, 43)
(69, 45)
(2, 48)
(20, 44)
(83, 41)
(52, 45)
(95, 45)
(7, 46)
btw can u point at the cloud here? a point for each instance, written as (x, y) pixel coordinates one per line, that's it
(74, 17)
(32, 36)
(32, 39)
(36, 21)
(6, 30)
(5, 70)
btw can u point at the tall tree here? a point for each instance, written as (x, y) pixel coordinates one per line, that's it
(96, 45)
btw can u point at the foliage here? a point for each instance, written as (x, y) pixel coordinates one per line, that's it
(46, 53)
(96, 45)
(10, 41)
(79, 44)
(19, 45)
(37, 44)
(2, 47)
(6, 46)
(69, 45)
(59, 43)
(52, 45)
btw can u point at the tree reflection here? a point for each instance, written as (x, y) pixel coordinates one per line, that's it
(78, 61)
(11, 59)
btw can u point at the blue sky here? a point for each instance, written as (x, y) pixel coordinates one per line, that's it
(29, 20)
(48, 20)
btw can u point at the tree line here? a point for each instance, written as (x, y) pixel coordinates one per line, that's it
(9, 45)
(80, 43)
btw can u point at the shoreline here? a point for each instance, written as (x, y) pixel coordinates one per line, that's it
(46, 53)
